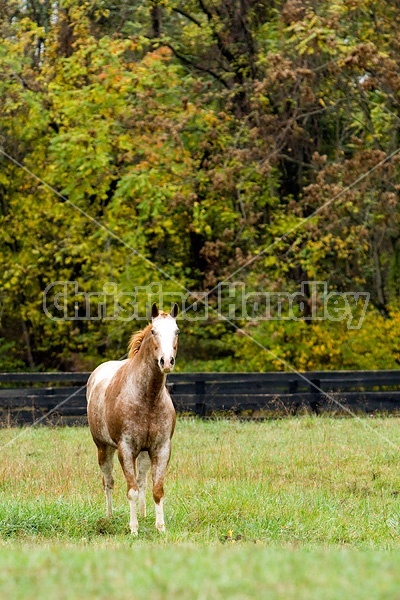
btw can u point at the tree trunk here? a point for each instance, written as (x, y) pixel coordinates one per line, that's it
(27, 340)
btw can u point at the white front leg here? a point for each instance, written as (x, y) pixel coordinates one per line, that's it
(160, 525)
(133, 496)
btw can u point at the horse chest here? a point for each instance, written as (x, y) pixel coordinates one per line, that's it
(141, 420)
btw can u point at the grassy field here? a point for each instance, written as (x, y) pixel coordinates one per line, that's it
(292, 507)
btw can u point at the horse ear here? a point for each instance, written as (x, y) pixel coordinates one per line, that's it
(154, 311)
(174, 310)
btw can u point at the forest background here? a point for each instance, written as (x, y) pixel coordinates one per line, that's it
(179, 142)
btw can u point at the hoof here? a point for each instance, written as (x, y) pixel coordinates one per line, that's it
(160, 528)
(134, 530)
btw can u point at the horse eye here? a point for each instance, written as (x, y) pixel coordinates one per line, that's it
(153, 332)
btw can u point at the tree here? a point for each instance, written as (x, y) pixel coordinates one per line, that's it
(199, 137)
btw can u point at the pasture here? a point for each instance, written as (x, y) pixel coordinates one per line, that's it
(292, 506)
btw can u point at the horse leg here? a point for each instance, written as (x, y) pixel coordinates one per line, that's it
(159, 463)
(127, 458)
(143, 464)
(105, 456)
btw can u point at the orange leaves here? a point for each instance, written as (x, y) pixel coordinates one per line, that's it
(161, 53)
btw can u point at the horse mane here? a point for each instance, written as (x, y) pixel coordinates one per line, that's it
(137, 338)
(136, 341)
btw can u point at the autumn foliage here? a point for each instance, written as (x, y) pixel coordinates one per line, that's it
(181, 142)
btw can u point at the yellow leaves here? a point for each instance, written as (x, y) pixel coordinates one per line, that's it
(210, 118)
(102, 13)
(4, 180)
(325, 344)
(230, 538)
(312, 22)
(168, 223)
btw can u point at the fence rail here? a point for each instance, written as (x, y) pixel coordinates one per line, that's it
(60, 397)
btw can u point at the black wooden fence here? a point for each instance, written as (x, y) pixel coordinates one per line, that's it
(60, 397)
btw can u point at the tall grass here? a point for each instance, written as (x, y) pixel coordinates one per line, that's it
(308, 481)
(250, 503)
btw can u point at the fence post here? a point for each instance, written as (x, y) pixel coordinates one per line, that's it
(200, 391)
(315, 405)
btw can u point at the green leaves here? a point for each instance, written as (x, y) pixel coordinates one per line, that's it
(204, 137)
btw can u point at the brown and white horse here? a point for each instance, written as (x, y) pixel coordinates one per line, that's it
(130, 410)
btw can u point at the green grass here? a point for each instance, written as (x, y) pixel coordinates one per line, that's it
(189, 573)
(291, 506)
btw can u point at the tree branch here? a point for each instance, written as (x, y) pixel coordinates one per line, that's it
(295, 161)
(187, 16)
(220, 43)
(188, 62)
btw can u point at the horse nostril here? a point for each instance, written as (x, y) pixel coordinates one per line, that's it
(161, 361)
(172, 361)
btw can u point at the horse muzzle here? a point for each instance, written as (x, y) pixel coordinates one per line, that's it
(166, 365)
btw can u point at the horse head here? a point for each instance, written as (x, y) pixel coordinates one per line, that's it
(164, 337)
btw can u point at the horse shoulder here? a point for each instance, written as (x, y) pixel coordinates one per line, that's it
(102, 376)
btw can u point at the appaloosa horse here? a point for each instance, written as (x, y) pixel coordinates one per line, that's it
(130, 410)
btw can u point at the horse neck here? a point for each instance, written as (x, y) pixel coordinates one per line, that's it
(147, 371)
